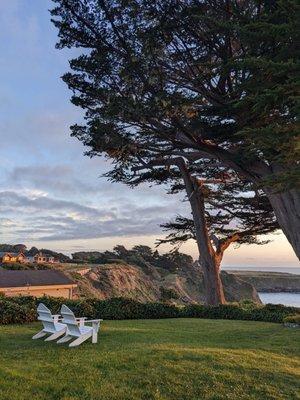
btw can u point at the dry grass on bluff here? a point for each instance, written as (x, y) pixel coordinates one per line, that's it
(144, 284)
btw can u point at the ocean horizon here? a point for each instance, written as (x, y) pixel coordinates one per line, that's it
(290, 270)
(287, 299)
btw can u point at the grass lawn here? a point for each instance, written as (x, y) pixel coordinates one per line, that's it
(192, 359)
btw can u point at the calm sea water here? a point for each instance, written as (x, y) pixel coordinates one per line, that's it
(290, 270)
(288, 299)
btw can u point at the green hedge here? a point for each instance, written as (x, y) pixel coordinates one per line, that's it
(23, 309)
(17, 310)
(239, 311)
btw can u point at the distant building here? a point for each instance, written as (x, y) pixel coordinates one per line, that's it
(41, 258)
(8, 257)
(36, 283)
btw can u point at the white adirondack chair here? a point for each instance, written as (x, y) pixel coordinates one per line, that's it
(50, 324)
(76, 328)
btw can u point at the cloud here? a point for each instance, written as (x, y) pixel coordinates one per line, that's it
(40, 217)
(6, 222)
(49, 190)
(12, 201)
(56, 179)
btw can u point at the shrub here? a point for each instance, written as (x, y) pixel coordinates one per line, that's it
(13, 313)
(120, 308)
(23, 309)
(292, 319)
(14, 266)
(25, 266)
(168, 294)
(272, 312)
(223, 311)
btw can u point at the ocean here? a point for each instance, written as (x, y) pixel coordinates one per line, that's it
(287, 299)
(290, 270)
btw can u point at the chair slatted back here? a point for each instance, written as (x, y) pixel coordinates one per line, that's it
(45, 316)
(70, 320)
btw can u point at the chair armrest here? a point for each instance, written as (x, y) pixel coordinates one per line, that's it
(81, 321)
(94, 320)
(95, 324)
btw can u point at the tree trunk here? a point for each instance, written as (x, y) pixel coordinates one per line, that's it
(214, 293)
(213, 286)
(286, 206)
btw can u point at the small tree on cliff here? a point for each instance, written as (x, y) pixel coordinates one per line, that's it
(225, 211)
(233, 217)
(214, 78)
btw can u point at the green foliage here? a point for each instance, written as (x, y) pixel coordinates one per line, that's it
(23, 309)
(10, 248)
(214, 76)
(168, 294)
(140, 255)
(17, 311)
(243, 311)
(292, 319)
(93, 257)
(191, 81)
(24, 266)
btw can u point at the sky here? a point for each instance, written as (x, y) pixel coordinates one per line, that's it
(51, 195)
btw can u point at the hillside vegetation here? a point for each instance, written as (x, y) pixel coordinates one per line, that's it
(140, 274)
(146, 275)
(131, 281)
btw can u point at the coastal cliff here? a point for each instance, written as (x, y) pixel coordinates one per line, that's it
(140, 273)
(154, 284)
(271, 282)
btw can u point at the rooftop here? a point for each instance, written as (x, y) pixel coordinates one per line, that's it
(3, 253)
(9, 278)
